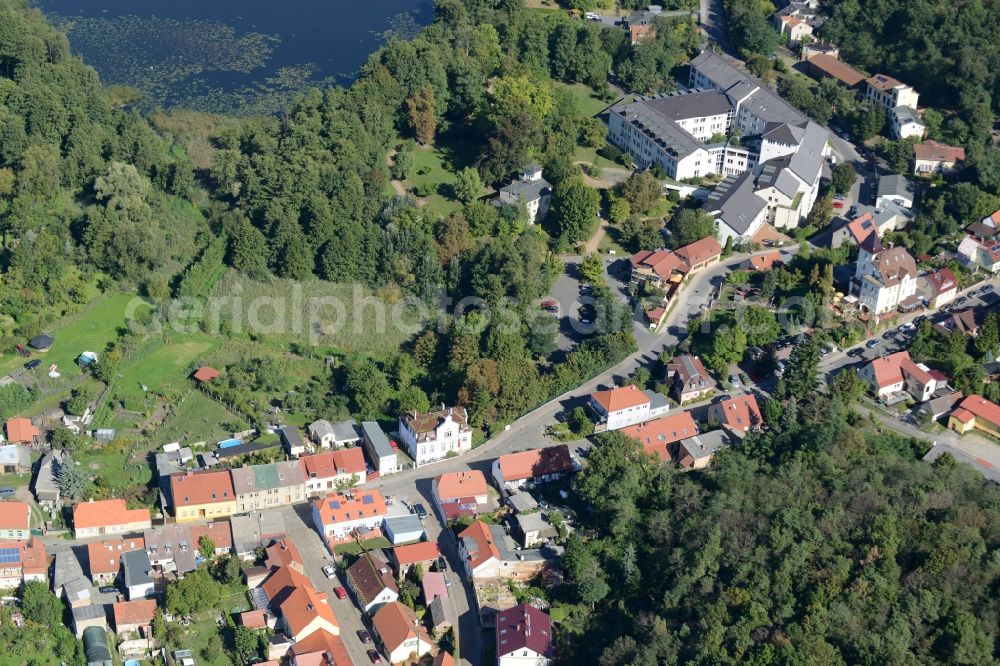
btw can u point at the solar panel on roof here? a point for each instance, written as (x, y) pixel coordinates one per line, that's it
(367, 499)
(10, 555)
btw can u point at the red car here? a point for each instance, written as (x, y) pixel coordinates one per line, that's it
(340, 592)
(373, 655)
(838, 203)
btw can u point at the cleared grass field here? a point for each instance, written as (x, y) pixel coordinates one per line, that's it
(197, 418)
(316, 317)
(587, 101)
(166, 369)
(90, 330)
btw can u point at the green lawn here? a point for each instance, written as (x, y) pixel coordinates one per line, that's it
(590, 156)
(91, 330)
(587, 101)
(166, 369)
(114, 470)
(354, 548)
(197, 418)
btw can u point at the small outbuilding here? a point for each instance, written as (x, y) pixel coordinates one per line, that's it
(205, 374)
(41, 343)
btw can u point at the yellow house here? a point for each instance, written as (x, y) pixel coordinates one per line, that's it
(976, 413)
(205, 495)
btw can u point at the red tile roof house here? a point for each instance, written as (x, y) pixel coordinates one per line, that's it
(524, 636)
(458, 494)
(321, 648)
(624, 405)
(97, 518)
(404, 558)
(330, 471)
(22, 431)
(659, 437)
(305, 611)
(25, 561)
(738, 415)
(135, 617)
(400, 633)
(15, 521)
(659, 267)
(372, 582)
(938, 288)
(528, 468)
(897, 372)
(976, 412)
(688, 378)
(104, 557)
(339, 515)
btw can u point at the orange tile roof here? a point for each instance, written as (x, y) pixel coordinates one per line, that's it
(444, 659)
(341, 507)
(204, 487)
(963, 415)
(656, 435)
(104, 513)
(220, 532)
(765, 262)
(620, 397)
(933, 151)
(328, 649)
(206, 374)
(105, 556)
(479, 532)
(894, 368)
(302, 607)
(994, 217)
(254, 619)
(454, 485)
(281, 582)
(416, 552)
(740, 413)
(332, 463)
(33, 560)
(21, 431)
(140, 611)
(537, 462)
(396, 623)
(15, 515)
(699, 251)
(981, 408)
(283, 552)
(836, 69)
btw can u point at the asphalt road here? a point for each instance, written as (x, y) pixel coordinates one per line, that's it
(713, 24)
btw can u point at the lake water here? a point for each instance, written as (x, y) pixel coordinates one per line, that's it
(231, 56)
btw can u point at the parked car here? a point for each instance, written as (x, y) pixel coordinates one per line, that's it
(32, 364)
(888, 335)
(374, 656)
(872, 344)
(987, 289)
(340, 592)
(7, 492)
(364, 636)
(734, 381)
(442, 563)
(329, 571)
(919, 320)
(908, 326)
(420, 511)
(108, 589)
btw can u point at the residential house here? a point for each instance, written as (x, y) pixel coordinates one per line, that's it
(172, 549)
(400, 633)
(976, 413)
(443, 659)
(793, 28)
(488, 553)
(219, 532)
(886, 278)
(666, 269)
(435, 435)
(202, 495)
(331, 470)
(826, 66)
(905, 123)
(134, 617)
(527, 468)
(524, 637)
(404, 558)
(897, 189)
(15, 521)
(14, 459)
(372, 582)
(530, 189)
(937, 288)
(327, 434)
(22, 562)
(762, 262)
(458, 494)
(305, 611)
(380, 452)
(737, 415)
(931, 157)
(434, 585)
(624, 405)
(697, 452)
(976, 253)
(267, 486)
(255, 530)
(534, 529)
(22, 431)
(688, 378)
(280, 583)
(340, 514)
(68, 580)
(897, 372)
(403, 529)
(44, 486)
(100, 517)
(737, 209)
(886, 93)
(136, 574)
(963, 321)
(807, 51)
(658, 436)
(320, 648)
(104, 557)
(291, 440)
